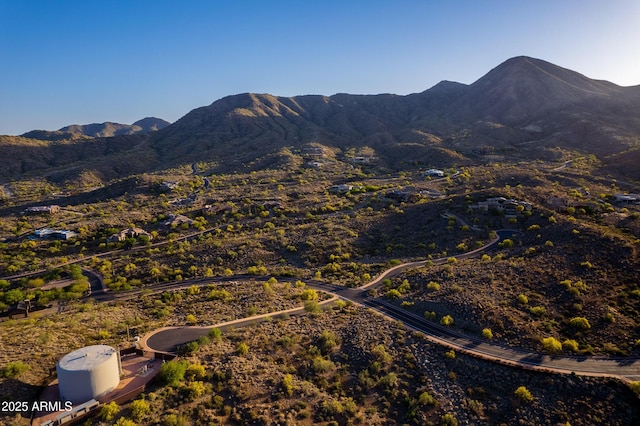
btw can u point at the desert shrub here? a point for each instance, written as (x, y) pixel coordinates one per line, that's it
(109, 411)
(507, 243)
(393, 294)
(570, 345)
(139, 408)
(426, 398)
(309, 294)
(321, 365)
(487, 333)
(195, 371)
(388, 381)
(551, 344)
(172, 373)
(221, 294)
(430, 315)
(523, 394)
(327, 342)
(14, 369)
(434, 286)
(188, 348)
(447, 320)
(538, 311)
(381, 355)
(242, 349)
(215, 333)
(312, 307)
(448, 420)
(287, 384)
(195, 390)
(580, 323)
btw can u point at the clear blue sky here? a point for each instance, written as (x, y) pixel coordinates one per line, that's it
(78, 62)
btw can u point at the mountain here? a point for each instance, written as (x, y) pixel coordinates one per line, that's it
(522, 101)
(524, 108)
(102, 130)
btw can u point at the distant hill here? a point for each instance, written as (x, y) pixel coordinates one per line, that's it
(525, 108)
(102, 130)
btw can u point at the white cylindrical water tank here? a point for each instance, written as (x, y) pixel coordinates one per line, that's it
(88, 373)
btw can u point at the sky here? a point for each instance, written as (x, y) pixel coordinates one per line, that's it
(68, 62)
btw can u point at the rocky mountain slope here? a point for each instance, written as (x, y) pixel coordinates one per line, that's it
(523, 107)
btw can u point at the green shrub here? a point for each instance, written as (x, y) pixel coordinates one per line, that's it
(448, 420)
(393, 294)
(215, 333)
(242, 349)
(570, 345)
(309, 294)
(14, 369)
(172, 373)
(426, 398)
(188, 348)
(580, 323)
(551, 344)
(447, 320)
(523, 394)
(538, 311)
(109, 411)
(195, 390)
(139, 408)
(433, 286)
(287, 384)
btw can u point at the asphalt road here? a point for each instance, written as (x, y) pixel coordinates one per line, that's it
(168, 339)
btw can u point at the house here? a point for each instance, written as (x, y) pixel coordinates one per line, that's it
(627, 198)
(363, 160)
(403, 196)
(176, 220)
(509, 207)
(52, 209)
(340, 189)
(434, 173)
(315, 164)
(53, 234)
(128, 233)
(185, 201)
(169, 185)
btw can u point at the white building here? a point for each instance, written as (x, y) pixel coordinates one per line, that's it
(434, 173)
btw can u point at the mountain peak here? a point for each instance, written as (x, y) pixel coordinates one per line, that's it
(523, 88)
(523, 70)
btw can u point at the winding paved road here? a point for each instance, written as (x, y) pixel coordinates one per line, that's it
(169, 338)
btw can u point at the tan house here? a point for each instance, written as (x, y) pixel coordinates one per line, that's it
(128, 233)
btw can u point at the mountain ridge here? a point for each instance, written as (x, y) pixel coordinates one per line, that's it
(524, 106)
(98, 130)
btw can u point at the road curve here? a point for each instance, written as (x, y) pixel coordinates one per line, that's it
(168, 339)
